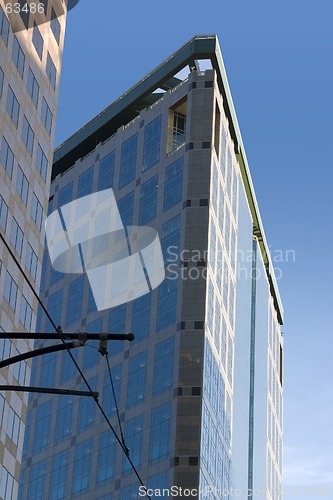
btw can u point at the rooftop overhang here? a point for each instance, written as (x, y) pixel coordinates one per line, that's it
(141, 95)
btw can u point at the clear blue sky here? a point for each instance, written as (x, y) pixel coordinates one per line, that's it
(279, 61)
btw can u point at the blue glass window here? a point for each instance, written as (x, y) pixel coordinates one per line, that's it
(7, 157)
(87, 408)
(10, 291)
(74, 300)
(108, 399)
(3, 213)
(106, 171)
(152, 142)
(22, 185)
(141, 317)
(148, 200)
(55, 276)
(28, 136)
(160, 432)
(1, 80)
(25, 314)
(163, 366)
(12, 106)
(47, 117)
(137, 379)
(64, 417)
(38, 41)
(47, 371)
(125, 207)
(81, 473)
(4, 26)
(31, 261)
(167, 303)
(36, 211)
(42, 163)
(85, 182)
(68, 369)
(106, 457)
(33, 87)
(60, 465)
(37, 477)
(65, 194)
(18, 56)
(42, 426)
(51, 71)
(55, 26)
(16, 236)
(173, 187)
(128, 161)
(129, 493)
(133, 440)
(171, 239)
(117, 324)
(54, 307)
(91, 355)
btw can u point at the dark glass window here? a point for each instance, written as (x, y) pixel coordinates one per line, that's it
(163, 367)
(133, 439)
(3, 213)
(60, 464)
(18, 56)
(36, 211)
(137, 379)
(106, 171)
(1, 81)
(108, 399)
(128, 161)
(152, 142)
(42, 426)
(28, 135)
(12, 106)
(173, 186)
(141, 317)
(7, 157)
(74, 300)
(51, 71)
(33, 87)
(81, 473)
(38, 41)
(4, 26)
(46, 116)
(125, 207)
(42, 163)
(106, 457)
(85, 182)
(160, 432)
(65, 194)
(117, 324)
(148, 200)
(64, 417)
(167, 303)
(171, 239)
(22, 185)
(37, 478)
(31, 261)
(87, 408)
(10, 291)
(54, 305)
(55, 26)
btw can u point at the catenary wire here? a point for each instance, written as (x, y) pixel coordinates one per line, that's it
(62, 338)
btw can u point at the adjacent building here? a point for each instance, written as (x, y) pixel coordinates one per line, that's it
(199, 391)
(31, 46)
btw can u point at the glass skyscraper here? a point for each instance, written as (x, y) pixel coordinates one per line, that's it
(199, 390)
(31, 45)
